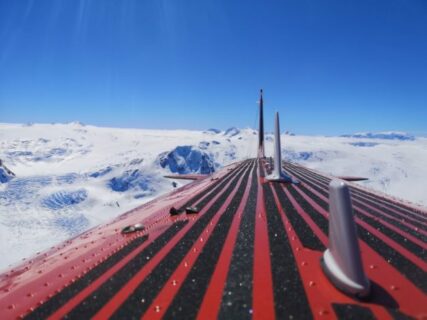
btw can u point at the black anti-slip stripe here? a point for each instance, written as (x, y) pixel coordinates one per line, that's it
(352, 312)
(289, 295)
(237, 296)
(372, 197)
(415, 221)
(397, 237)
(398, 224)
(95, 301)
(222, 184)
(60, 299)
(407, 268)
(148, 289)
(399, 315)
(188, 299)
(214, 185)
(303, 178)
(302, 229)
(261, 168)
(405, 210)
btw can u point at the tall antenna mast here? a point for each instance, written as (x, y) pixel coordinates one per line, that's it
(261, 153)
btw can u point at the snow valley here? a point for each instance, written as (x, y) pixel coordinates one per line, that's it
(57, 180)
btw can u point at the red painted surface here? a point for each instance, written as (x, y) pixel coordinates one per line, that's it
(406, 253)
(411, 299)
(125, 291)
(212, 299)
(42, 276)
(164, 298)
(263, 300)
(35, 281)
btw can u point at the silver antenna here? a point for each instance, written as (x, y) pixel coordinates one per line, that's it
(342, 261)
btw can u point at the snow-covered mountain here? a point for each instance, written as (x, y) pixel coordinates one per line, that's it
(65, 178)
(387, 135)
(5, 174)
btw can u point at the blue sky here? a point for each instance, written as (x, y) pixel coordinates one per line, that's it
(328, 66)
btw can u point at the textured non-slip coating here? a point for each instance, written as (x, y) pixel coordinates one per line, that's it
(406, 267)
(189, 298)
(397, 237)
(94, 302)
(287, 283)
(369, 197)
(301, 206)
(237, 295)
(132, 308)
(216, 185)
(352, 312)
(73, 289)
(308, 238)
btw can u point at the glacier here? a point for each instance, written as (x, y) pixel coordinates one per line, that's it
(57, 180)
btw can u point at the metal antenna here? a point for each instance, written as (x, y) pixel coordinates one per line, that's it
(342, 261)
(261, 152)
(278, 175)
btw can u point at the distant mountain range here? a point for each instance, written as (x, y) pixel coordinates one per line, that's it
(389, 135)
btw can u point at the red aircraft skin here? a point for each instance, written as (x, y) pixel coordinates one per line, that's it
(251, 250)
(25, 287)
(28, 286)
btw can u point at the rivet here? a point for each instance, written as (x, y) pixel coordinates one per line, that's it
(298, 249)
(304, 263)
(174, 282)
(394, 288)
(60, 275)
(157, 308)
(11, 307)
(372, 266)
(323, 312)
(312, 283)
(185, 264)
(30, 295)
